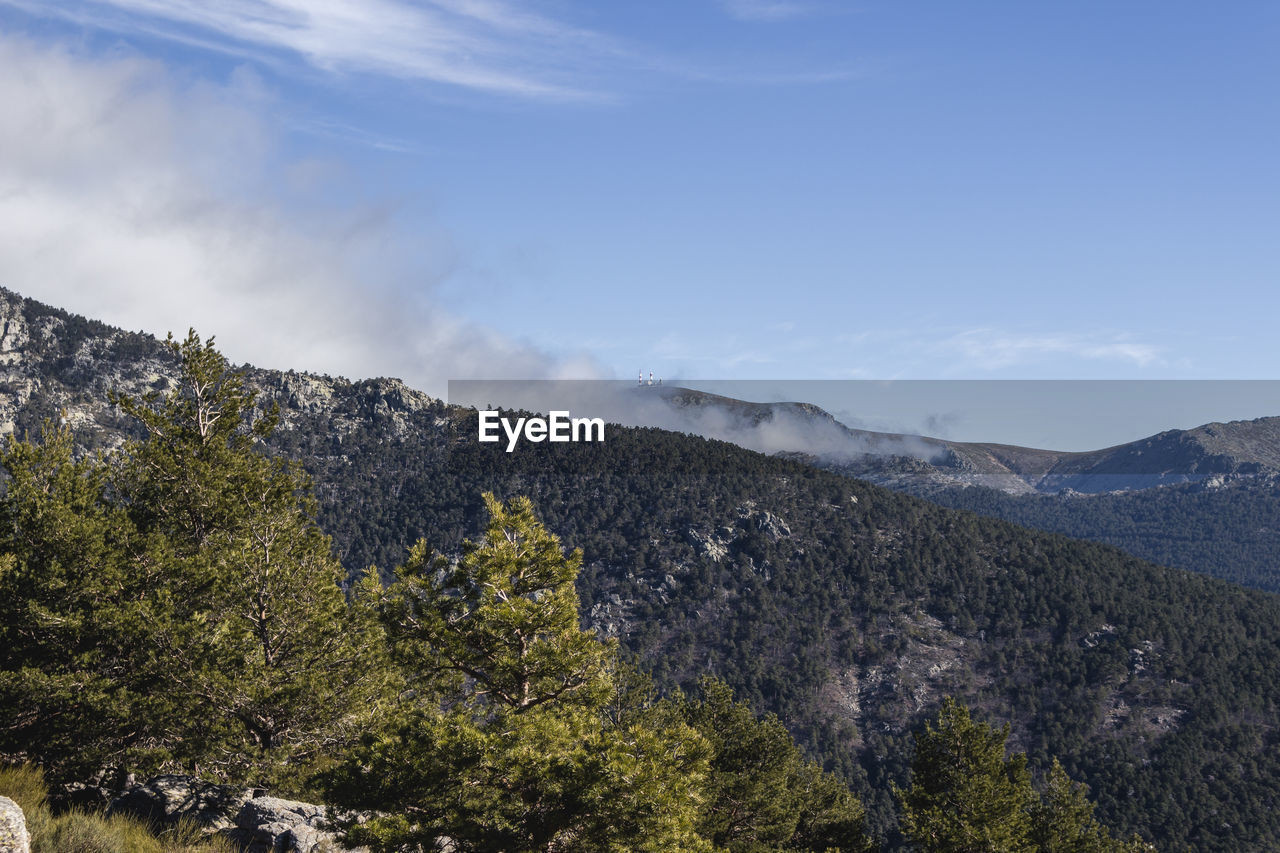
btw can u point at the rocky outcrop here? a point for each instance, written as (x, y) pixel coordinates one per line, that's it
(13, 828)
(714, 547)
(770, 525)
(60, 366)
(254, 824)
(273, 825)
(169, 799)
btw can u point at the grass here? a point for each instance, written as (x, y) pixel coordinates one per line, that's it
(80, 831)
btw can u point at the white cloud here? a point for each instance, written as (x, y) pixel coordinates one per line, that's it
(154, 205)
(907, 352)
(492, 46)
(993, 349)
(475, 44)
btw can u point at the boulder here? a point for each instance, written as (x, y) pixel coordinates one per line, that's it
(168, 799)
(13, 828)
(273, 825)
(772, 526)
(715, 548)
(252, 824)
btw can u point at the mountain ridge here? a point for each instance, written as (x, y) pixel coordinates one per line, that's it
(1211, 451)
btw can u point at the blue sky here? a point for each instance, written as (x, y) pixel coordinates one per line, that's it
(741, 189)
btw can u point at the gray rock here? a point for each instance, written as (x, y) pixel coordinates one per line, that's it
(168, 799)
(273, 825)
(772, 526)
(713, 547)
(252, 824)
(13, 828)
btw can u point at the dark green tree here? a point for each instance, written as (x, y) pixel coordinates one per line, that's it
(252, 638)
(966, 796)
(71, 616)
(762, 794)
(505, 742)
(1063, 822)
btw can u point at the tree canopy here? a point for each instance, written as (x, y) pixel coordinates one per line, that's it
(968, 796)
(182, 588)
(504, 743)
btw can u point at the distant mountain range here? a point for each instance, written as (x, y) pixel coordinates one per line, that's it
(1205, 499)
(848, 609)
(1212, 455)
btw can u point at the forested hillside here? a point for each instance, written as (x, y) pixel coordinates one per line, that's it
(849, 610)
(852, 610)
(1230, 532)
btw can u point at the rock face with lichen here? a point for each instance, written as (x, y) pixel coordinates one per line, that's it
(13, 828)
(270, 824)
(165, 800)
(253, 824)
(59, 366)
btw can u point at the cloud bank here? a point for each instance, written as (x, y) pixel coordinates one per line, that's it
(770, 428)
(157, 204)
(485, 45)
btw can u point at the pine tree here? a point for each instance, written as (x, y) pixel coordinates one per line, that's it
(261, 658)
(505, 743)
(504, 617)
(966, 796)
(1063, 822)
(70, 618)
(762, 793)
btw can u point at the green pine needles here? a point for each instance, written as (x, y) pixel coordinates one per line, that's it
(174, 605)
(967, 796)
(504, 742)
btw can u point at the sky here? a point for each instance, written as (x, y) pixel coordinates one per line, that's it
(708, 189)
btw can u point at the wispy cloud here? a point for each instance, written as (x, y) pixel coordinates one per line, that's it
(359, 136)
(486, 45)
(960, 352)
(498, 47)
(993, 349)
(157, 206)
